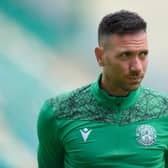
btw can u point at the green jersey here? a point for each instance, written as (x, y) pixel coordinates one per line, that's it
(87, 128)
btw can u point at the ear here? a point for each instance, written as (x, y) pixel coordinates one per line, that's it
(99, 53)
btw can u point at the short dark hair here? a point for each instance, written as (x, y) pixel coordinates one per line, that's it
(121, 22)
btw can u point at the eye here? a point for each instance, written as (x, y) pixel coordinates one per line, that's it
(125, 55)
(143, 54)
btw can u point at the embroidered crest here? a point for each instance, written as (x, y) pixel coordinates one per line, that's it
(146, 135)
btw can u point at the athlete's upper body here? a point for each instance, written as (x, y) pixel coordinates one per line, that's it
(114, 122)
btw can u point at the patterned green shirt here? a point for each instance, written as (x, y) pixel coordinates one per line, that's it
(87, 128)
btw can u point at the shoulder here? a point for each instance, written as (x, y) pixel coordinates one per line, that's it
(73, 95)
(151, 104)
(154, 95)
(154, 100)
(63, 104)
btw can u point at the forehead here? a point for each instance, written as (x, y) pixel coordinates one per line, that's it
(136, 41)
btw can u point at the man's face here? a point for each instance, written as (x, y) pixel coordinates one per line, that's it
(124, 61)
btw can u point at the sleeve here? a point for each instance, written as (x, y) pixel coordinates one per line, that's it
(166, 159)
(50, 151)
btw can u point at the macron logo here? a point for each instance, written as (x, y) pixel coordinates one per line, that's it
(85, 133)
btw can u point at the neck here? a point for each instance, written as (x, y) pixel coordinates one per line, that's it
(111, 90)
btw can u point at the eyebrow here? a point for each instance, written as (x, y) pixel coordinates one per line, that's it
(133, 51)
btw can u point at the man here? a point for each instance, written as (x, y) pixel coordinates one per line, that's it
(114, 122)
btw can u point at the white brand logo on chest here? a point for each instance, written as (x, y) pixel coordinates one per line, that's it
(85, 133)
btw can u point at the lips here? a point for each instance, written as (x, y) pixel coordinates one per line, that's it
(135, 78)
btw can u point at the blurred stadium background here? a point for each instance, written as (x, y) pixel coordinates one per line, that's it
(47, 47)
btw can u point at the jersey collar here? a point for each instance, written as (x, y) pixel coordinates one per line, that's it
(114, 102)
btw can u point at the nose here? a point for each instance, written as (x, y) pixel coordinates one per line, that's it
(136, 65)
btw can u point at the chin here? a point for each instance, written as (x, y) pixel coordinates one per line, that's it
(133, 87)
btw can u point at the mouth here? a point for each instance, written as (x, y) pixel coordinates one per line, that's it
(135, 79)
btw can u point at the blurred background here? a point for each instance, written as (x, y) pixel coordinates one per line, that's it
(47, 47)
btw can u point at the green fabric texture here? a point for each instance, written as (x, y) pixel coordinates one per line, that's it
(87, 128)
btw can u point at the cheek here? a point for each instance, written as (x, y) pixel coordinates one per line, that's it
(119, 70)
(123, 67)
(145, 65)
(116, 68)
